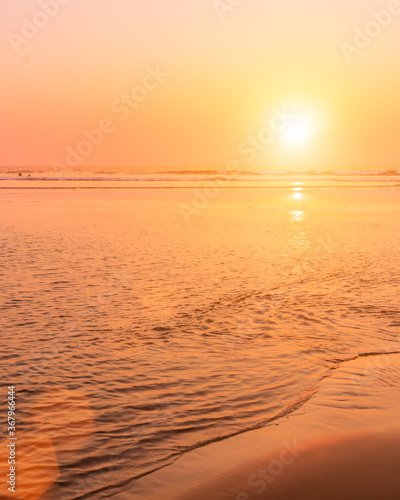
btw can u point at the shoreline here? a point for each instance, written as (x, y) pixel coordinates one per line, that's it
(278, 292)
(347, 419)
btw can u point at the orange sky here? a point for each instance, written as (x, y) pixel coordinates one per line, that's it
(211, 76)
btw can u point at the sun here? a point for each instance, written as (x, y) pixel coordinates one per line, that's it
(298, 132)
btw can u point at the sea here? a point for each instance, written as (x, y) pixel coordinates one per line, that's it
(148, 312)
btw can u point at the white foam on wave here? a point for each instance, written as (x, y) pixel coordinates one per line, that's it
(209, 175)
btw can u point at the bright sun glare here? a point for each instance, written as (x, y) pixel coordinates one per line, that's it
(298, 133)
(297, 192)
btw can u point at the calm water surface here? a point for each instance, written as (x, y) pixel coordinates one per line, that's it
(134, 334)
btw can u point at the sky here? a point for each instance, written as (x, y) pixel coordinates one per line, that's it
(200, 83)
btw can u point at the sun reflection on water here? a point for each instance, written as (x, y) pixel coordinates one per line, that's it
(298, 233)
(297, 193)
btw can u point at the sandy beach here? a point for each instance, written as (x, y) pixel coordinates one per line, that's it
(341, 444)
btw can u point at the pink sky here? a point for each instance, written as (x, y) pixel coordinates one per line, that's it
(228, 72)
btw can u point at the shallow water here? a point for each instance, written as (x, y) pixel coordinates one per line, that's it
(134, 333)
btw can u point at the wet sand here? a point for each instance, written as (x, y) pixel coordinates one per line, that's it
(351, 466)
(342, 444)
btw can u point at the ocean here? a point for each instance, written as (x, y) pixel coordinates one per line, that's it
(148, 313)
(233, 176)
